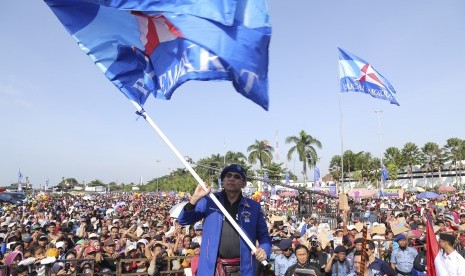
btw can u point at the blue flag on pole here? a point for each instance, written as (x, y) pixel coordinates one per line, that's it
(316, 178)
(357, 75)
(287, 178)
(20, 181)
(384, 177)
(155, 46)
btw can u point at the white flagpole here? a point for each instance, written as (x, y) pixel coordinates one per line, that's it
(340, 125)
(196, 176)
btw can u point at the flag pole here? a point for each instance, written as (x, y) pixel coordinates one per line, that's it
(340, 126)
(181, 158)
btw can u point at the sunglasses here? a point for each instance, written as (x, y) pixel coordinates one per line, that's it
(289, 249)
(233, 175)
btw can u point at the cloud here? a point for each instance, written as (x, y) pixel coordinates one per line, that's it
(13, 92)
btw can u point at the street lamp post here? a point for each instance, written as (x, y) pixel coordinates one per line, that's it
(157, 161)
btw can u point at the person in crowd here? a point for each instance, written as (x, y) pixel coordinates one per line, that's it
(402, 258)
(302, 264)
(286, 259)
(225, 247)
(338, 264)
(453, 261)
(376, 265)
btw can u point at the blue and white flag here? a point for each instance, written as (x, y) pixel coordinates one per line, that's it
(266, 179)
(20, 181)
(316, 178)
(287, 178)
(384, 177)
(357, 75)
(155, 46)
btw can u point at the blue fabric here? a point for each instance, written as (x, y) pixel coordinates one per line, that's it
(251, 220)
(148, 49)
(357, 75)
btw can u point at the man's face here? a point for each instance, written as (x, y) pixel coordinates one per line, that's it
(233, 182)
(302, 255)
(357, 263)
(421, 228)
(110, 249)
(358, 246)
(287, 252)
(114, 232)
(415, 218)
(341, 256)
(402, 243)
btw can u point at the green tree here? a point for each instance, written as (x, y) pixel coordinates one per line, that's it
(275, 171)
(393, 156)
(233, 157)
(335, 167)
(260, 151)
(95, 183)
(304, 145)
(432, 156)
(411, 156)
(455, 152)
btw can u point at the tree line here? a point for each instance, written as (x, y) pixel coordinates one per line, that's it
(364, 167)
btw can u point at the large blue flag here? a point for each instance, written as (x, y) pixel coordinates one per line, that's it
(384, 177)
(153, 46)
(316, 178)
(357, 75)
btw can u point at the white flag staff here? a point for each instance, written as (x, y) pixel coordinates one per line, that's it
(141, 112)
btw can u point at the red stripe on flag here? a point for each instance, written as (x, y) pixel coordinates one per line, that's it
(152, 37)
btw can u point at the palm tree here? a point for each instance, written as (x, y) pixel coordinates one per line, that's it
(304, 147)
(455, 152)
(432, 153)
(393, 156)
(235, 157)
(260, 151)
(411, 155)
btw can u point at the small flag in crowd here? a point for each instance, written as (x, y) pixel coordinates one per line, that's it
(287, 178)
(316, 177)
(154, 46)
(357, 75)
(266, 178)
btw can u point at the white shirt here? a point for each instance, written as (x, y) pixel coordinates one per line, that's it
(454, 263)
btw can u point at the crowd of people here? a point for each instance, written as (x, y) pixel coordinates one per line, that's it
(113, 234)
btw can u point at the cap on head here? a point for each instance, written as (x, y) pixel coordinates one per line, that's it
(285, 244)
(340, 249)
(234, 168)
(400, 237)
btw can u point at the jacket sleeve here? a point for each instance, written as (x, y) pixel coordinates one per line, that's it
(188, 217)
(387, 269)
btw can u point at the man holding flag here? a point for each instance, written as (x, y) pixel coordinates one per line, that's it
(222, 250)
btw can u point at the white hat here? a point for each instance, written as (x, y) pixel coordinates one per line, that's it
(93, 235)
(144, 241)
(130, 247)
(115, 220)
(60, 244)
(4, 224)
(375, 224)
(350, 227)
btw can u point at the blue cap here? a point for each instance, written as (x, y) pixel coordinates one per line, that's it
(285, 244)
(233, 168)
(400, 237)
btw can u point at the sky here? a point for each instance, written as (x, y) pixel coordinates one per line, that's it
(60, 116)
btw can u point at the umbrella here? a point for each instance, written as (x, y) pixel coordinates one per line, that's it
(287, 194)
(274, 197)
(87, 197)
(428, 195)
(415, 189)
(109, 211)
(175, 211)
(362, 193)
(447, 189)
